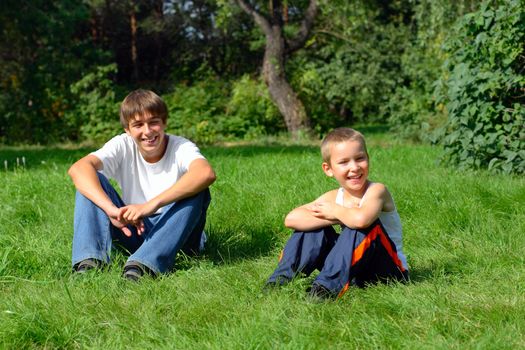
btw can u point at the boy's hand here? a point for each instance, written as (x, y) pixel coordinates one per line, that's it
(121, 223)
(324, 210)
(118, 224)
(134, 213)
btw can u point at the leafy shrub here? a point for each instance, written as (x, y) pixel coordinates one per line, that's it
(95, 107)
(250, 111)
(213, 110)
(194, 110)
(353, 67)
(412, 109)
(484, 89)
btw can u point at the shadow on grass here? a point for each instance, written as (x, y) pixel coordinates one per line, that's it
(34, 155)
(369, 130)
(41, 156)
(38, 157)
(418, 275)
(228, 246)
(30, 158)
(256, 150)
(437, 270)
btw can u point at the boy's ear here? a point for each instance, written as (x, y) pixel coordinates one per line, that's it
(327, 170)
(127, 131)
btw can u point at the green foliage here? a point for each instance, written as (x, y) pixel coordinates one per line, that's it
(412, 109)
(42, 51)
(195, 110)
(251, 111)
(213, 110)
(484, 88)
(95, 112)
(352, 64)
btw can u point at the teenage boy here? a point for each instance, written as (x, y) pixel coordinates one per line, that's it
(164, 181)
(369, 247)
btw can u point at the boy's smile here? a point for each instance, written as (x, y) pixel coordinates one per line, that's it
(148, 133)
(348, 165)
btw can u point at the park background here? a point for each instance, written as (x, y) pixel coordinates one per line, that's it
(437, 87)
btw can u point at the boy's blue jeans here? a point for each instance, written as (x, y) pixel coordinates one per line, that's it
(352, 257)
(179, 227)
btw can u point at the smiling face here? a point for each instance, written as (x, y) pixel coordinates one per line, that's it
(148, 133)
(348, 164)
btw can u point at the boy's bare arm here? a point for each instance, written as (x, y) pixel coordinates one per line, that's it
(200, 175)
(84, 175)
(356, 217)
(303, 218)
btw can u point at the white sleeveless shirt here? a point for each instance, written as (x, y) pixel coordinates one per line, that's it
(390, 221)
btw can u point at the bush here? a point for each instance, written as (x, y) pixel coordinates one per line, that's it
(194, 110)
(214, 110)
(484, 89)
(95, 107)
(413, 112)
(354, 66)
(251, 112)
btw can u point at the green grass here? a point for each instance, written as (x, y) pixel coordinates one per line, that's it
(463, 235)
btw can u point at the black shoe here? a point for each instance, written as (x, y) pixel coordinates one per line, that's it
(319, 292)
(271, 285)
(86, 265)
(134, 271)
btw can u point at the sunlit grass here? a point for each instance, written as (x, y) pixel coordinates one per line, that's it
(463, 238)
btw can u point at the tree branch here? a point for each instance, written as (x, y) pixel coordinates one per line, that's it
(307, 23)
(262, 21)
(335, 35)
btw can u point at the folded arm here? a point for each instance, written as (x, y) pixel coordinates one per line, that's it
(355, 217)
(199, 176)
(303, 218)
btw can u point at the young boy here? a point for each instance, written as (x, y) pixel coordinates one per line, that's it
(164, 181)
(369, 247)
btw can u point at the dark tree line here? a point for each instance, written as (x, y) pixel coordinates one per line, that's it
(155, 41)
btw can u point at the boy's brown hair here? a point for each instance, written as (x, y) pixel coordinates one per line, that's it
(141, 102)
(340, 135)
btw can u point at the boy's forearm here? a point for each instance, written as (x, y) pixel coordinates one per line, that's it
(85, 179)
(194, 181)
(301, 219)
(355, 218)
(311, 225)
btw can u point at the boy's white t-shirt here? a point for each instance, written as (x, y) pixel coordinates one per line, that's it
(139, 180)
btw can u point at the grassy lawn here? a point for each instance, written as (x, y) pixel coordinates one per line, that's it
(464, 235)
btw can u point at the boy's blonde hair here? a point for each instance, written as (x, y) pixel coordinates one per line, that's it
(141, 102)
(337, 136)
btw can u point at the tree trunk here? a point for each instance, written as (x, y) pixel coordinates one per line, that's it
(280, 90)
(158, 41)
(133, 29)
(93, 23)
(276, 50)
